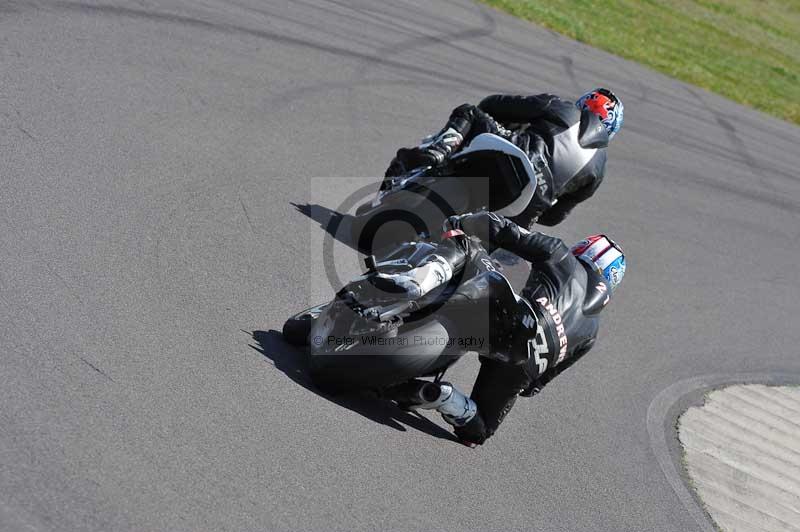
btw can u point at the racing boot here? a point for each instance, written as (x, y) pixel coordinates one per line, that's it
(438, 147)
(432, 152)
(415, 283)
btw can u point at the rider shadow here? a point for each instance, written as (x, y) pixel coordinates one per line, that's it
(336, 224)
(369, 234)
(291, 362)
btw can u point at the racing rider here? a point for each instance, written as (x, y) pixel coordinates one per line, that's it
(566, 143)
(557, 321)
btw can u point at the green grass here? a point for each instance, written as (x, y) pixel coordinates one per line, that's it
(746, 50)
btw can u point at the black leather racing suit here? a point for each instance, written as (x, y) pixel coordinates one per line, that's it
(566, 146)
(566, 297)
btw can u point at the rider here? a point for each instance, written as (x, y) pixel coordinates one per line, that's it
(555, 322)
(565, 142)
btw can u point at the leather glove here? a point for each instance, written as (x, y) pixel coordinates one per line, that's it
(484, 225)
(453, 222)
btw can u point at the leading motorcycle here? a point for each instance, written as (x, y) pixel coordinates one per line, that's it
(490, 173)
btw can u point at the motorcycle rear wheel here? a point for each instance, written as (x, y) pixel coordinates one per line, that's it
(420, 350)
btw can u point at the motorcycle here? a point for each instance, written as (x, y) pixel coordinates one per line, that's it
(368, 338)
(490, 173)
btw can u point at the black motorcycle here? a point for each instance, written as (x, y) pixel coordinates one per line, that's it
(490, 174)
(368, 338)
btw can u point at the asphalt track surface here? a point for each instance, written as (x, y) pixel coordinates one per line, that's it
(151, 156)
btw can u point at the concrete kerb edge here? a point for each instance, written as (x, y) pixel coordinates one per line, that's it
(662, 418)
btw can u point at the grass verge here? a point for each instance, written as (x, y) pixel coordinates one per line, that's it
(745, 50)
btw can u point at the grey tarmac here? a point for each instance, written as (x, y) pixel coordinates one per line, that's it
(156, 159)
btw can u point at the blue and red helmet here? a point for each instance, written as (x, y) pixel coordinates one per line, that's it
(604, 256)
(606, 106)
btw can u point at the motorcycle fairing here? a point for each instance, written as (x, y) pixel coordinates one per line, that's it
(487, 142)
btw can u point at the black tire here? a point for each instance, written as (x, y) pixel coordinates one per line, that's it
(298, 327)
(296, 330)
(364, 366)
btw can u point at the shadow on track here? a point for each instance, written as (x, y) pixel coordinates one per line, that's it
(371, 234)
(292, 362)
(380, 229)
(336, 224)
